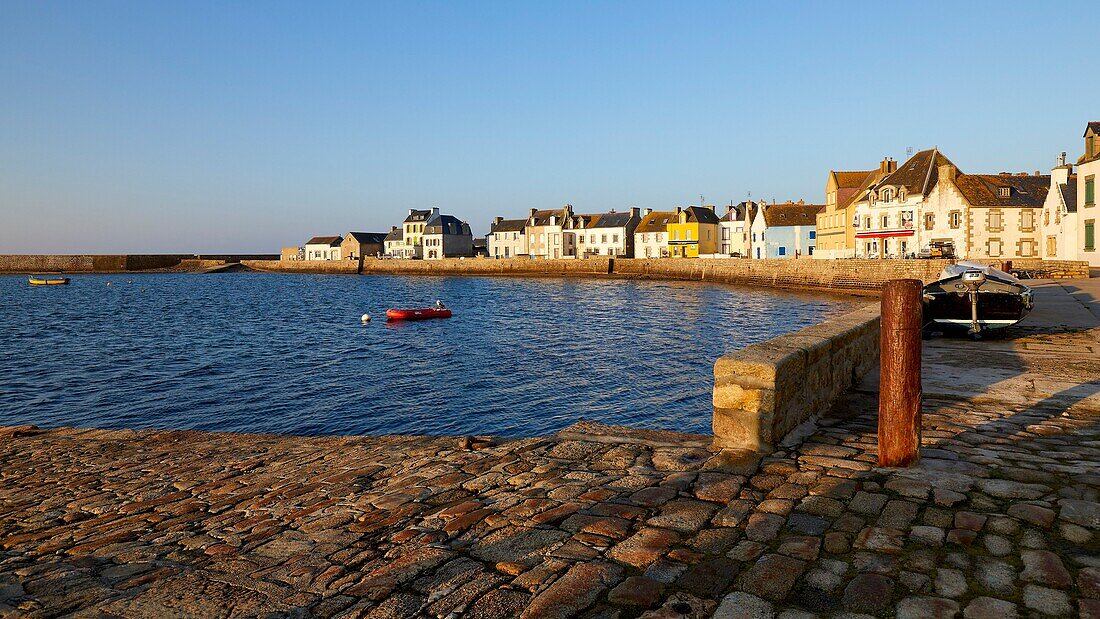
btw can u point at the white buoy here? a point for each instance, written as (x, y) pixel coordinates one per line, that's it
(365, 318)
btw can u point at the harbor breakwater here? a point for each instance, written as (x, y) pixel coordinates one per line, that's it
(114, 263)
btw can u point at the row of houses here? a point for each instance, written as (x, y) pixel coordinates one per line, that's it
(925, 207)
(928, 206)
(425, 234)
(748, 229)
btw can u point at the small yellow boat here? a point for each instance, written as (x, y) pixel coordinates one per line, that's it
(53, 281)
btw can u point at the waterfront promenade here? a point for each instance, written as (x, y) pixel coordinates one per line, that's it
(1001, 518)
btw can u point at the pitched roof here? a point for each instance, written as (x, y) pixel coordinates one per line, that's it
(611, 220)
(1069, 193)
(861, 192)
(331, 241)
(701, 215)
(366, 237)
(445, 224)
(508, 225)
(657, 221)
(736, 213)
(792, 214)
(983, 190)
(396, 234)
(1094, 125)
(919, 173)
(415, 215)
(850, 180)
(542, 218)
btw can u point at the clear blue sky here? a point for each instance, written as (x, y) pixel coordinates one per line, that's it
(245, 126)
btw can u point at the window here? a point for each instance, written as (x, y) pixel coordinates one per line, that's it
(993, 247)
(1090, 190)
(994, 221)
(753, 237)
(725, 234)
(675, 235)
(782, 251)
(1004, 192)
(1027, 248)
(603, 238)
(1027, 220)
(867, 222)
(614, 238)
(929, 221)
(886, 195)
(1090, 145)
(813, 234)
(657, 237)
(885, 221)
(1090, 235)
(954, 218)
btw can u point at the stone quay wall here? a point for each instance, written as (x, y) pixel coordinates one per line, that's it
(764, 391)
(850, 276)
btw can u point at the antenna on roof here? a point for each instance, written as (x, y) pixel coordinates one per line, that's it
(908, 152)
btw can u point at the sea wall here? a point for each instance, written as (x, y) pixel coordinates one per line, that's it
(764, 391)
(852, 276)
(107, 263)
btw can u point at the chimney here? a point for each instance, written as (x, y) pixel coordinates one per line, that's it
(646, 211)
(1021, 174)
(1060, 174)
(887, 165)
(411, 211)
(1062, 158)
(947, 173)
(801, 201)
(709, 206)
(497, 220)
(435, 211)
(634, 212)
(533, 211)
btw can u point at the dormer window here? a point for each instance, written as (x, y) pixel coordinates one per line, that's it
(1004, 192)
(901, 194)
(887, 195)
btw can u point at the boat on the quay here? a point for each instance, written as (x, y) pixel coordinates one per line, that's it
(47, 281)
(976, 298)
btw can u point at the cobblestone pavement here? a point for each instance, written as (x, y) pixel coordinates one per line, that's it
(999, 520)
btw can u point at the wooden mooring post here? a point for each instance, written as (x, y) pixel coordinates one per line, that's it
(900, 377)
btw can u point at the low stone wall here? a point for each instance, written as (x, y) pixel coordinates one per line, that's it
(304, 266)
(87, 263)
(764, 391)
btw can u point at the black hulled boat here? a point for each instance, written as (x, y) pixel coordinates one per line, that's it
(976, 298)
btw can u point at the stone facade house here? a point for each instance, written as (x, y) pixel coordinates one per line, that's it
(545, 233)
(1059, 225)
(323, 248)
(651, 235)
(292, 253)
(362, 244)
(693, 231)
(927, 202)
(445, 236)
(607, 234)
(412, 229)
(507, 238)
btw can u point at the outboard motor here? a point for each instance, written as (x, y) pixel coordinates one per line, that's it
(973, 280)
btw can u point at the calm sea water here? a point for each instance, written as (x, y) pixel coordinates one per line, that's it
(251, 352)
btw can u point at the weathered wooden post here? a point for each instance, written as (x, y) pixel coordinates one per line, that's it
(899, 379)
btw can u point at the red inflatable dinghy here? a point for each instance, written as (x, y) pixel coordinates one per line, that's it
(417, 314)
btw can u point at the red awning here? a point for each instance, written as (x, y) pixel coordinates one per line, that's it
(883, 234)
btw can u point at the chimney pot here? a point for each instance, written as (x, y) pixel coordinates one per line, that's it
(646, 211)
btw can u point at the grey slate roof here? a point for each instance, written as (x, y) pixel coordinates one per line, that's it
(1069, 194)
(367, 237)
(416, 216)
(331, 241)
(445, 224)
(508, 225)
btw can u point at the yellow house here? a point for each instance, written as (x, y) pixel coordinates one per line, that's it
(693, 231)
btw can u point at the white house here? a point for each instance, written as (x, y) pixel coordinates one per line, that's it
(606, 234)
(733, 231)
(445, 236)
(507, 238)
(1088, 171)
(323, 248)
(1059, 218)
(651, 235)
